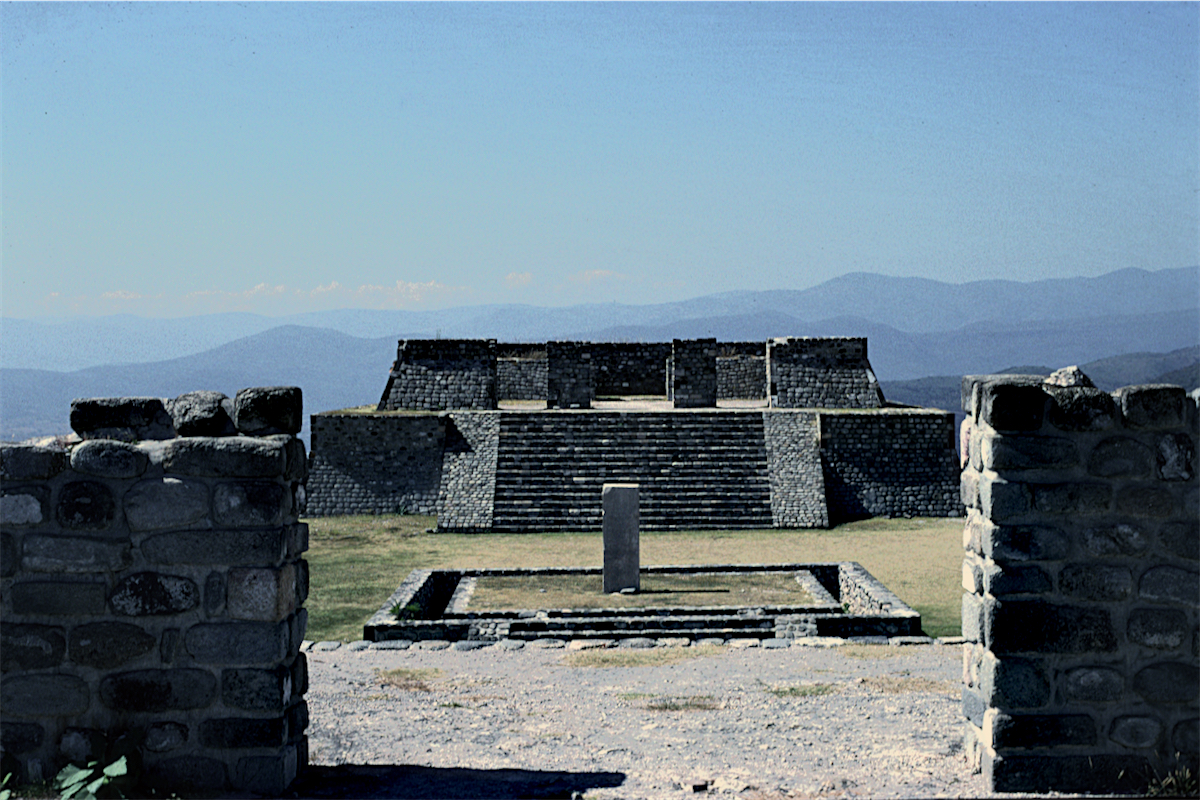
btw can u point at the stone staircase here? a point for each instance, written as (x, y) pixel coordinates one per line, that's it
(695, 469)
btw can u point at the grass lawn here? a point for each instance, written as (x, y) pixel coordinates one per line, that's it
(357, 562)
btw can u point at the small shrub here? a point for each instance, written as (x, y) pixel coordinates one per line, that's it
(93, 781)
(698, 702)
(807, 690)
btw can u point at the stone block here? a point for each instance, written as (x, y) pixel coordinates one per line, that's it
(1136, 731)
(1041, 730)
(1095, 582)
(1015, 579)
(1081, 409)
(227, 457)
(297, 539)
(1146, 501)
(158, 690)
(191, 775)
(1160, 628)
(58, 598)
(1181, 539)
(1073, 498)
(105, 645)
(1175, 457)
(297, 720)
(1013, 407)
(106, 458)
(1114, 540)
(249, 504)
(1093, 685)
(1001, 500)
(81, 745)
(238, 643)
(24, 505)
(242, 732)
(1088, 774)
(257, 689)
(73, 554)
(972, 575)
(21, 737)
(165, 737)
(1025, 543)
(168, 644)
(214, 593)
(261, 593)
(1185, 736)
(166, 502)
(297, 627)
(44, 696)
(200, 413)
(1030, 626)
(1012, 683)
(972, 617)
(216, 547)
(299, 676)
(973, 706)
(1028, 452)
(31, 647)
(622, 547)
(1152, 406)
(295, 459)
(270, 775)
(127, 419)
(968, 488)
(1167, 682)
(1120, 457)
(265, 410)
(27, 462)
(9, 555)
(1170, 585)
(974, 532)
(85, 505)
(150, 593)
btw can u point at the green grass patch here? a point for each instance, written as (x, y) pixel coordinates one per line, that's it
(495, 593)
(696, 702)
(410, 680)
(657, 657)
(356, 562)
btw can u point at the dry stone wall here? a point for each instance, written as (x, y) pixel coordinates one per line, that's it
(630, 368)
(570, 377)
(693, 373)
(441, 374)
(1081, 580)
(468, 491)
(521, 379)
(742, 377)
(794, 468)
(821, 373)
(152, 591)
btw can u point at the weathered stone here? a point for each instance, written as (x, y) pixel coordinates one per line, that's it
(1175, 457)
(1028, 452)
(972, 618)
(241, 733)
(27, 462)
(149, 593)
(1093, 685)
(1069, 376)
(300, 675)
(31, 647)
(44, 696)
(296, 461)
(1014, 579)
(1025, 543)
(200, 414)
(8, 555)
(1120, 457)
(1160, 628)
(1073, 498)
(193, 775)
(1000, 500)
(163, 737)
(1009, 406)
(1081, 409)
(1115, 540)
(972, 575)
(297, 540)
(1152, 407)
(1031, 626)
(85, 505)
(156, 690)
(1084, 774)
(257, 689)
(1042, 730)
(1185, 737)
(72, 554)
(228, 457)
(1014, 683)
(297, 626)
(1146, 501)
(166, 502)
(297, 719)
(1170, 585)
(1167, 682)
(1181, 539)
(270, 775)
(269, 409)
(238, 643)
(214, 593)
(1095, 582)
(248, 504)
(81, 745)
(216, 547)
(105, 645)
(974, 706)
(127, 419)
(24, 505)
(21, 737)
(168, 643)
(968, 488)
(622, 554)
(261, 593)
(58, 598)
(106, 458)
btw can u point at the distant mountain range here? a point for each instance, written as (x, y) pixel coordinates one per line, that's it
(915, 328)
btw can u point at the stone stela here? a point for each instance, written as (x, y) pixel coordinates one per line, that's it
(622, 547)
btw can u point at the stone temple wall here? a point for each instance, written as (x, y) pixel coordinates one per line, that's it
(570, 377)
(521, 379)
(630, 368)
(1082, 668)
(821, 373)
(441, 374)
(693, 373)
(742, 377)
(152, 592)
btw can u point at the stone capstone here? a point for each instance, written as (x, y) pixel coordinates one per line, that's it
(128, 419)
(268, 409)
(201, 414)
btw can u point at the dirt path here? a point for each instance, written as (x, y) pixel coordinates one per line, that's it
(859, 721)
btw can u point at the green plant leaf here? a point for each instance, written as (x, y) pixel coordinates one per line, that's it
(116, 768)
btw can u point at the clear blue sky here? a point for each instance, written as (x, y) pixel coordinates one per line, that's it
(177, 159)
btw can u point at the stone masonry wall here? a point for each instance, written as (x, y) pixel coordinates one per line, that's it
(794, 468)
(570, 378)
(375, 464)
(1082, 668)
(467, 498)
(521, 379)
(693, 373)
(821, 373)
(630, 368)
(742, 377)
(889, 463)
(152, 586)
(441, 374)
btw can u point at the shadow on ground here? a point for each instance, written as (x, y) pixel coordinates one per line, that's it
(401, 781)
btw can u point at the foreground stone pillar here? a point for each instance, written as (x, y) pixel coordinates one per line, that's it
(622, 547)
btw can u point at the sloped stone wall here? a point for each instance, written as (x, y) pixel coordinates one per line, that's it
(468, 491)
(441, 374)
(1081, 580)
(794, 468)
(152, 588)
(821, 373)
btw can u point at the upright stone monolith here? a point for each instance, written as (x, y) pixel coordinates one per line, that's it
(622, 548)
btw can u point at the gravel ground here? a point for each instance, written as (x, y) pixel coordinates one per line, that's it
(857, 721)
